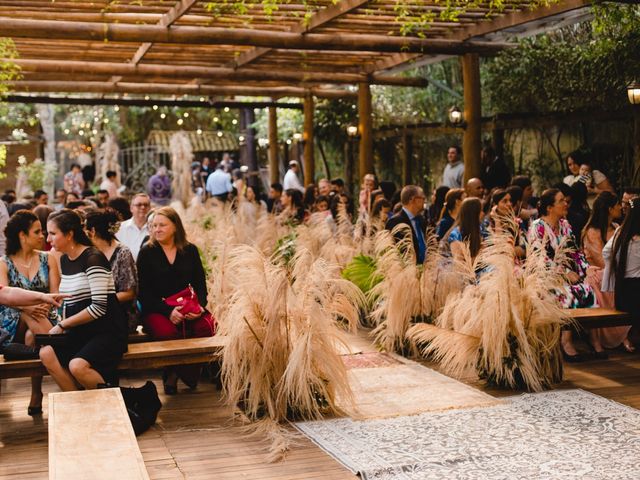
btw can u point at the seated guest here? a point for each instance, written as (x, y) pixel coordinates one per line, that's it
(43, 212)
(167, 265)
(578, 211)
(502, 219)
(475, 188)
(134, 231)
(92, 320)
(527, 211)
(320, 210)
(292, 206)
(554, 232)
(573, 165)
(622, 263)
(309, 198)
(337, 186)
(369, 184)
(629, 193)
(467, 228)
(121, 206)
(100, 226)
(449, 213)
(274, 205)
(437, 202)
(102, 198)
(594, 180)
(599, 229)
(26, 267)
(412, 198)
(380, 211)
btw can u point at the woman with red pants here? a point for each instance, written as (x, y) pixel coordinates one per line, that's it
(167, 265)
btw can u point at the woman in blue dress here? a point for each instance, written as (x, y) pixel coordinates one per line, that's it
(27, 267)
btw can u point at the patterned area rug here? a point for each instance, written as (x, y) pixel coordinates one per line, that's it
(386, 386)
(569, 434)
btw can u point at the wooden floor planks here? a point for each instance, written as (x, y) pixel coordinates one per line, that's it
(196, 439)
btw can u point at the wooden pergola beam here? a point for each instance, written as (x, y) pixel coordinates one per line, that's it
(174, 89)
(101, 32)
(500, 22)
(318, 19)
(141, 102)
(213, 73)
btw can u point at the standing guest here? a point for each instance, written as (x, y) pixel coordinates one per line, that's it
(554, 232)
(100, 226)
(40, 197)
(110, 184)
(121, 206)
(475, 188)
(133, 232)
(274, 205)
(622, 263)
(496, 174)
(73, 181)
(292, 206)
(26, 267)
(437, 202)
(206, 169)
(324, 187)
(467, 228)
(412, 198)
(595, 180)
(96, 331)
(159, 187)
(628, 194)
(449, 213)
(369, 184)
(60, 199)
(337, 186)
(219, 184)
(291, 180)
(454, 171)
(102, 197)
(573, 165)
(167, 265)
(578, 212)
(598, 231)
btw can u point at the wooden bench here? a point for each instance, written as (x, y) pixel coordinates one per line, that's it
(146, 355)
(599, 317)
(90, 436)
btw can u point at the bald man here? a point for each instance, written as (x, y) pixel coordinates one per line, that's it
(475, 188)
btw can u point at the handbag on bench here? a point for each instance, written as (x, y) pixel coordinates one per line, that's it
(187, 302)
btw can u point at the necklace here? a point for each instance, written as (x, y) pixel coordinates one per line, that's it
(25, 265)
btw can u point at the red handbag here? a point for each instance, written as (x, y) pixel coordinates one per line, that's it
(187, 302)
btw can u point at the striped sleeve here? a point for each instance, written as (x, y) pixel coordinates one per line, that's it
(99, 279)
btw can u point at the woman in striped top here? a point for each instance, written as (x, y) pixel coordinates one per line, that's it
(93, 322)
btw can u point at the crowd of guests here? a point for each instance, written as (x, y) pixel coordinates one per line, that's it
(116, 260)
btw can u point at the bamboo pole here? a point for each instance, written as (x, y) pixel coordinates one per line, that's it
(70, 67)
(365, 130)
(101, 32)
(307, 137)
(407, 157)
(471, 140)
(173, 89)
(274, 166)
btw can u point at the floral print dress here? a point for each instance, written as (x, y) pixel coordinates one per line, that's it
(580, 294)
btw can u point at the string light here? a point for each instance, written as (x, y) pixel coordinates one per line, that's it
(234, 121)
(180, 121)
(185, 114)
(66, 131)
(219, 134)
(199, 131)
(116, 108)
(226, 109)
(155, 107)
(163, 115)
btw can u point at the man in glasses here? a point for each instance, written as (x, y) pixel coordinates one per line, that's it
(412, 198)
(135, 230)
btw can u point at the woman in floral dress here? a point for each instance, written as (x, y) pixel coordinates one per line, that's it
(554, 232)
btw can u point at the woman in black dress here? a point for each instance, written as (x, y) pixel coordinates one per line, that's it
(167, 265)
(94, 324)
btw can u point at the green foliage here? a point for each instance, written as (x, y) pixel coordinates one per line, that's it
(285, 249)
(36, 172)
(361, 272)
(576, 68)
(3, 160)
(9, 71)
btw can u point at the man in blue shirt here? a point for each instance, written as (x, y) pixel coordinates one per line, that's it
(219, 184)
(412, 198)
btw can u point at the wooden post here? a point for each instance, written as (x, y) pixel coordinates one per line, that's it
(407, 157)
(471, 142)
(250, 146)
(636, 146)
(348, 165)
(364, 129)
(307, 137)
(274, 169)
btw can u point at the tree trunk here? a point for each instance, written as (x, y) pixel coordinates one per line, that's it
(47, 123)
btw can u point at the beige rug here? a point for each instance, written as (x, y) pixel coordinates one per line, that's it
(407, 388)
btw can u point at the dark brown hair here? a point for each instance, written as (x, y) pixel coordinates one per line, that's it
(70, 221)
(21, 221)
(450, 200)
(469, 222)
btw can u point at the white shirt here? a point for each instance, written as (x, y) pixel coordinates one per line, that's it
(132, 236)
(291, 180)
(453, 173)
(110, 187)
(219, 182)
(633, 262)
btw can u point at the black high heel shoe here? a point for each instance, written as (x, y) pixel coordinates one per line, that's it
(168, 389)
(576, 358)
(34, 411)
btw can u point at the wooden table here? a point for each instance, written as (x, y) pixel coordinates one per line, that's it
(90, 437)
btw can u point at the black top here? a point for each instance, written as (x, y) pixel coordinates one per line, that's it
(158, 279)
(496, 175)
(89, 281)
